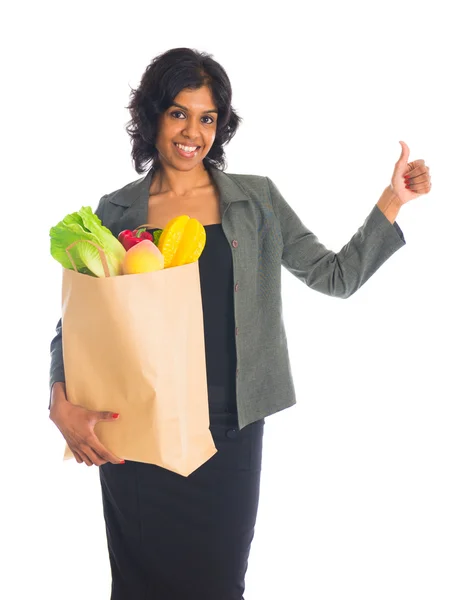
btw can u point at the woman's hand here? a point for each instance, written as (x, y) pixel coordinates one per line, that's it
(77, 426)
(415, 173)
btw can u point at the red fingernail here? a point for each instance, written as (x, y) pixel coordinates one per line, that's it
(122, 462)
(115, 415)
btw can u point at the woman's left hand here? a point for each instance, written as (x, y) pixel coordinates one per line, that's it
(415, 174)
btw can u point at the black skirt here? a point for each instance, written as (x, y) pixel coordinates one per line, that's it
(172, 537)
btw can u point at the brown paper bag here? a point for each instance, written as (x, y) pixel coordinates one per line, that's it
(134, 344)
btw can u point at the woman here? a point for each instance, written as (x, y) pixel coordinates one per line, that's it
(189, 538)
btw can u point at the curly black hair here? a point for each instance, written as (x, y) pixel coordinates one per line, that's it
(166, 76)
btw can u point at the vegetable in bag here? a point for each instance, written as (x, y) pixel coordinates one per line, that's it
(85, 225)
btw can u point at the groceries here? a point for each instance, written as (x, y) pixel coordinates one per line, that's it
(129, 238)
(80, 241)
(83, 227)
(135, 344)
(142, 258)
(182, 241)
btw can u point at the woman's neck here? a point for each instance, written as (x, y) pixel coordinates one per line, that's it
(173, 183)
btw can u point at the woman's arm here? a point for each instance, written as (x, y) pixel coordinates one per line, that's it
(336, 274)
(56, 360)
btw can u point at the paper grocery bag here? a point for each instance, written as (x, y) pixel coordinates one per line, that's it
(134, 344)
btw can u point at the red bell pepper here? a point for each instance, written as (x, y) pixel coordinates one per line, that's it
(130, 238)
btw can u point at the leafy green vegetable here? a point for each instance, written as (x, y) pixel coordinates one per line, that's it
(86, 226)
(156, 236)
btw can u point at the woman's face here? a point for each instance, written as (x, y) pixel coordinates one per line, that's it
(190, 121)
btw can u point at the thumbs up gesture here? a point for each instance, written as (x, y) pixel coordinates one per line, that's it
(414, 175)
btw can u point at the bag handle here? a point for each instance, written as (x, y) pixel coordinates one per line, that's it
(147, 225)
(101, 252)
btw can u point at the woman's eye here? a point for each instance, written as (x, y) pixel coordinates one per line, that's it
(178, 112)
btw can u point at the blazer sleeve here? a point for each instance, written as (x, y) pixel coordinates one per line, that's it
(56, 345)
(335, 274)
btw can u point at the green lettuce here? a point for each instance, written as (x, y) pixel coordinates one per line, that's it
(86, 226)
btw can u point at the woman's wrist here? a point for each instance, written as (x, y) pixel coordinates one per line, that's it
(58, 396)
(389, 204)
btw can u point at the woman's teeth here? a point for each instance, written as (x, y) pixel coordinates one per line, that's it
(187, 149)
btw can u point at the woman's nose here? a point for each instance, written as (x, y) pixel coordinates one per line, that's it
(191, 130)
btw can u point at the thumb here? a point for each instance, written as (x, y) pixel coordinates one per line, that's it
(401, 165)
(106, 415)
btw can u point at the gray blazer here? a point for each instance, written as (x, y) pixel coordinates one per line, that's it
(264, 233)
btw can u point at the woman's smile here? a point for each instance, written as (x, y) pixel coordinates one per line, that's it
(185, 154)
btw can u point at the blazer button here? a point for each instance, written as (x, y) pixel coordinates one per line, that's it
(235, 243)
(231, 433)
(236, 287)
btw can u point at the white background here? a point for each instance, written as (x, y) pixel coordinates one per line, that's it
(355, 490)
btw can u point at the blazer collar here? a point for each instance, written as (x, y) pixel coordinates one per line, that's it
(134, 196)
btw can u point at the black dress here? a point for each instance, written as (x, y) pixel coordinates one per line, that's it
(172, 537)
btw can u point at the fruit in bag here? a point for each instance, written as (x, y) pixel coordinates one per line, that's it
(182, 241)
(142, 258)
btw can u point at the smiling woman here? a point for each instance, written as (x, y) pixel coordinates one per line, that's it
(192, 130)
(184, 97)
(178, 537)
